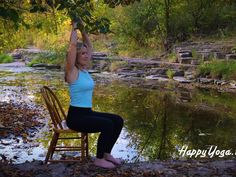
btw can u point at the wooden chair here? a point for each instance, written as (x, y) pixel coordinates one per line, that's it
(58, 118)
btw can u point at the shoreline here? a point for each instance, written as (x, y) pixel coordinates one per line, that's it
(214, 84)
(154, 168)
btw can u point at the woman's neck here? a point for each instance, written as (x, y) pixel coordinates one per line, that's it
(79, 67)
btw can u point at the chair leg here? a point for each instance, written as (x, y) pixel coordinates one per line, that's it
(82, 146)
(52, 147)
(86, 147)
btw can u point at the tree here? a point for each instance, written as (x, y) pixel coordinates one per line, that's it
(76, 9)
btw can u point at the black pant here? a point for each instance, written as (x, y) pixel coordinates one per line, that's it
(89, 121)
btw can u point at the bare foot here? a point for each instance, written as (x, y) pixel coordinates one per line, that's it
(104, 164)
(110, 158)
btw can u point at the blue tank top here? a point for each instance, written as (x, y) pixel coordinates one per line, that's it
(81, 90)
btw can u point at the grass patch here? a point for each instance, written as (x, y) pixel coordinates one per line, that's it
(4, 58)
(218, 69)
(172, 57)
(49, 58)
(115, 65)
(170, 73)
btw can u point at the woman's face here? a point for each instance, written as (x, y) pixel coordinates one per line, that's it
(83, 57)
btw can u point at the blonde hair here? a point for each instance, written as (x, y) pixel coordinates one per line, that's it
(79, 45)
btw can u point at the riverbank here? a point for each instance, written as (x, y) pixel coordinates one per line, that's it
(170, 168)
(202, 64)
(147, 78)
(36, 168)
(19, 113)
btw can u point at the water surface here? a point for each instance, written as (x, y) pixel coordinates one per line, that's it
(158, 122)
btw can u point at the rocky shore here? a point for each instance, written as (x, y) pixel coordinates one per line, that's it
(180, 68)
(18, 113)
(146, 73)
(26, 115)
(170, 168)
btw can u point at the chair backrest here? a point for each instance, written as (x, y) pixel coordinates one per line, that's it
(55, 109)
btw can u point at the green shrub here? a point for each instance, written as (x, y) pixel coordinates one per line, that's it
(195, 54)
(218, 69)
(5, 58)
(49, 58)
(115, 65)
(170, 73)
(32, 62)
(172, 57)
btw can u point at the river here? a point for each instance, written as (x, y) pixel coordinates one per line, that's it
(159, 120)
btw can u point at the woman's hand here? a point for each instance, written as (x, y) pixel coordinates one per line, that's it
(74, 25)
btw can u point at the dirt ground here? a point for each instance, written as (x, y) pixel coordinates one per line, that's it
(146, 169)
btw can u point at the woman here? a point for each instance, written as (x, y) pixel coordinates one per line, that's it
(80, 116)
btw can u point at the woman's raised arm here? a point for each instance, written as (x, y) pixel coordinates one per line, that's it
(71, 55)
(85, 38)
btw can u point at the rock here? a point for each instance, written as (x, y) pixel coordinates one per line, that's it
(220, 82)
(195, 62)
(39, 65)
(31, 50)
(157, 77)
(182, 79)
(16, 56)
(184, 96)
(232, 85)
(42, 155)
(157, 71)
(47, 66)
(99, 58)
(205, 55)
(29, 166)
(124, 70)
(186, 60)
(179, 73)
(182, 50)
(185, 54)
(91, 71)
(219, 55)
(99, 54)
(131, 74)
(205, 81)
(52, 66)
(13, 64)
(190, 77)
(231, 56)
(200, 171)
(6, 142)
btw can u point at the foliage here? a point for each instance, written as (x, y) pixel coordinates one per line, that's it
(5, 58)
(170, 73)
(76, 9)
(195, 54)
(140, 23)
(115, 65)
(142, 28)
(20, 113)
(172, 57)
(49, 57)
(218, 69)
(156, 24)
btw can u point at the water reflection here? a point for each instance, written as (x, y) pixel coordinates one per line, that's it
(157, 123)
